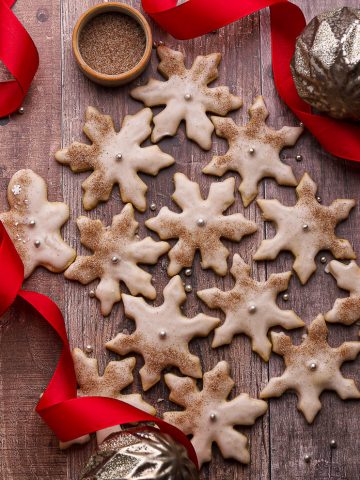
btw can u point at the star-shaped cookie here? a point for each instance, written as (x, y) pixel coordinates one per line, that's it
(162, 334)
(115, 157)
(250, 308)
(305, 229)
(254, 151)
(117, 376)
(116, 252)
(200, 225)
(312, 367)
(345, 310)
(187, 96)
(33, 224)
(209, 417)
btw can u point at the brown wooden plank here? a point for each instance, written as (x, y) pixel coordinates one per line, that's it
(29, 350)
(291, 438)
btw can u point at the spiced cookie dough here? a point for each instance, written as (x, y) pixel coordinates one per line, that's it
(115, 158)
(311, 368)
(117, 250)
(162, 334)
(250, 308)
(33, 224)
(209, 417)
(305, 229)
(254, 151)
(200, 225)
(187, 96)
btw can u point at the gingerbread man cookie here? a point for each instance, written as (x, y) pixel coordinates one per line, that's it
(311, 368)
(305, 229)
(33, 224)
(162, 334)
(345, 310)
(115, 157)
(116, 253)
(250, 308)
(200, 225)
(187, 96)
(254, 151)
(209, 417)
(117, 376)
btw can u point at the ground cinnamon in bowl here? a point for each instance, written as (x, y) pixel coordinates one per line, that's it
(112, 43)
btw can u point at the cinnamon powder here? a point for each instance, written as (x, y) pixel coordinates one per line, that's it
(112, 43)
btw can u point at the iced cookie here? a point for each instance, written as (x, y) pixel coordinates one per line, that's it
(311, 368)
(33, 224)
(200, 225)
(162, 334)
(254, 151)
(345, 310)
(115, 158)
(117, 376)
(209, 417)
(117, 250)
(187, 96)
(305, 229)
(250, 308)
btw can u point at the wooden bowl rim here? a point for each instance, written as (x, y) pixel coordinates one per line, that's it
(104, 8)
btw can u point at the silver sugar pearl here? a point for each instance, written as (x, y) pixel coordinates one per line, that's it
(252, 309)
(251, 150)
(21, 110)
(301, 125)
(153, 207)
(313, 366)
(213, 417)
(188, 272)
(305, 227)
(285, 297)
(187, 96)
(299, 158)
(37, 243)
(119, 156)
(114, 259)
(200, 222)
(333, 443)
(188, 288)
(89, 349)
(162, 334)
(318, 199)
(32, 223)
(307, 458)
(92, 293)
(323, 259)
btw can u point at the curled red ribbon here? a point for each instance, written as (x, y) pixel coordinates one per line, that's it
(67, 416)
(197, 17)
(19, 55)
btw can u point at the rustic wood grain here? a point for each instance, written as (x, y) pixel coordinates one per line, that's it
(54, 117)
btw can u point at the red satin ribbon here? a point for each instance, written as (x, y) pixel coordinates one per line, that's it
(19, 54)
(197, 17)
(67, 416)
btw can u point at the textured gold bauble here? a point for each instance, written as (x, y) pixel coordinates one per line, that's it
(326, 63)
(140, 454)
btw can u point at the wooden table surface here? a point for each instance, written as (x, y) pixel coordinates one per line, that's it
(54, 112)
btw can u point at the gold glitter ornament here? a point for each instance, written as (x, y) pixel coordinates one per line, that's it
(140, 454)
(326, 63)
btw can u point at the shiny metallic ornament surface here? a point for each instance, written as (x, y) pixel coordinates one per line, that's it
(140, 454)
(326, 63)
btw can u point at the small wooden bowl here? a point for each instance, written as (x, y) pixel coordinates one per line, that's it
(121, 78)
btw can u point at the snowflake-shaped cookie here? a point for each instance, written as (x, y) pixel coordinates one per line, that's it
(162, 334)
(115, 157)
(254, 151)
(312, 367)
(117, 376)
(200, 225)
(305, 229)
(250, 308)
(186, 96)
(209, 417)
(34, 224)
(116, 252)
(345, 310)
